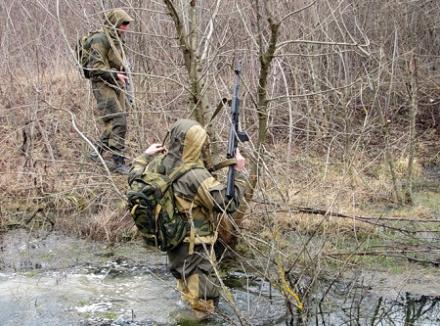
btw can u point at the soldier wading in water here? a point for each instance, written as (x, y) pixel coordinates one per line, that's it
(107, 71)
(201, 201)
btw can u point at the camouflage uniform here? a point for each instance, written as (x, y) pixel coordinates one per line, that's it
(106, 61)
(201, 199)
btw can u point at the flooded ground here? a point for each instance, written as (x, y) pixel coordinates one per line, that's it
(58, 280)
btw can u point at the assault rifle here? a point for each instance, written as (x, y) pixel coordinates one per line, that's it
(234, 134)
(129, 83)
(129, 90)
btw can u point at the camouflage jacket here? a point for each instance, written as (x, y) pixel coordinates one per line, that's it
(107, 55)
(199, 196)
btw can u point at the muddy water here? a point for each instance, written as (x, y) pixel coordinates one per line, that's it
(57, 280)
(52, 279)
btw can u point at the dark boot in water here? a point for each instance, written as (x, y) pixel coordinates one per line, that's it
(120, 166)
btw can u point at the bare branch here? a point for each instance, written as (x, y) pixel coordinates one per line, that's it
(297, 11)
(312, 94)
(327, 43)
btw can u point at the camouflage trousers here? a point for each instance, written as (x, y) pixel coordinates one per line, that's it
(111, 112)
(195, 281)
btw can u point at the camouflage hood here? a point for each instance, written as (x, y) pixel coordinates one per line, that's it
(115, 18)
(187, 138)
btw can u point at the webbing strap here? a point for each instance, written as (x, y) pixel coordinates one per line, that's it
(192, 237)
(183, 169)
(174, 176)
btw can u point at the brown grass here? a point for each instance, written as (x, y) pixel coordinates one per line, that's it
(324, 151)
(55, 174)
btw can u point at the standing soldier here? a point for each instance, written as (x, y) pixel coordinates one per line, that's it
(107, 71)
(202, 201)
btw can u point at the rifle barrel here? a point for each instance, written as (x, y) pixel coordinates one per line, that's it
(233, 132)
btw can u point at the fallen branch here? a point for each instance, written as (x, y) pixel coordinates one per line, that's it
(367, 220)
(317, 211)
(310, 210)
(387, 254)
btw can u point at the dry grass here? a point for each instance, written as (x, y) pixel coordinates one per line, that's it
(324, 151)
(44, 164)
(54, 176)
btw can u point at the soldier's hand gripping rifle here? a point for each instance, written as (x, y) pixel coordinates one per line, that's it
(234, 134)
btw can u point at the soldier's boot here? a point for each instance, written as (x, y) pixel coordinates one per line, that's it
(119, 165)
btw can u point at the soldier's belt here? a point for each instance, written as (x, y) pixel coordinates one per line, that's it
(207, 239)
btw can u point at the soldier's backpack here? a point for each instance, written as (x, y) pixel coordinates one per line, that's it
(82, 52)
(152, 205)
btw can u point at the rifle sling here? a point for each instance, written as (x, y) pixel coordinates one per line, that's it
(220, 106)
(223, 164)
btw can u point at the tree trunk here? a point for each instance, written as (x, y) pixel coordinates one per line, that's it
(408, 195)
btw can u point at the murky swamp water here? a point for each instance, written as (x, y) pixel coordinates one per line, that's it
(52, 279)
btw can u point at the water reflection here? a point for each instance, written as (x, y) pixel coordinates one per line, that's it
(59, 280)
(344, 304)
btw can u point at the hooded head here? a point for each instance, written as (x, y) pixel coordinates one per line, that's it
(114, 18)
(187, 138)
